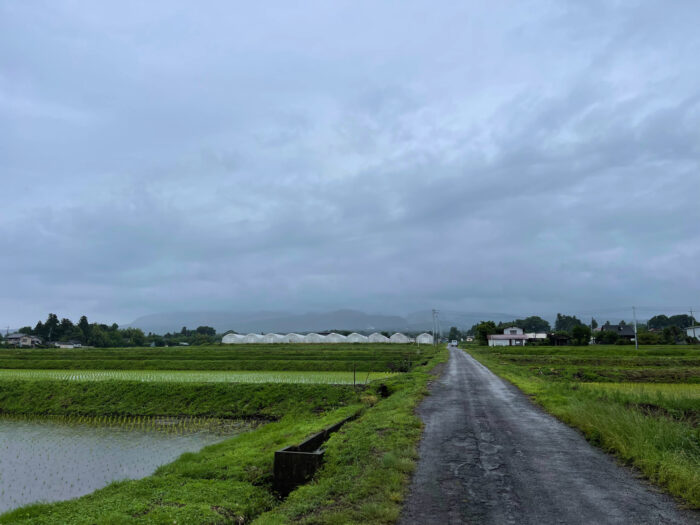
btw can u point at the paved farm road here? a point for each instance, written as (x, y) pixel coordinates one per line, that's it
(489, 456)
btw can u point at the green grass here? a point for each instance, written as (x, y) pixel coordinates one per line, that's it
(648, 424)
(366, 470)
(127, 398)
(187, 376)
(265, 357)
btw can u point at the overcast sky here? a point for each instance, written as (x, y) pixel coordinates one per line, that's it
(527, 157)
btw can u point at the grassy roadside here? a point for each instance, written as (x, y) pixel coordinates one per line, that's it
(368, 463)
(367, 466)
(656, 433)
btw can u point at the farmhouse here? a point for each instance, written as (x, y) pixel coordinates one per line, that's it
(22, 340)
(624, 331)
(512, 336)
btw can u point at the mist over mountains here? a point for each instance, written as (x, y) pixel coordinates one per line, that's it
(284, 322)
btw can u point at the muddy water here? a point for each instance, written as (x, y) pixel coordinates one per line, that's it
(48, 461)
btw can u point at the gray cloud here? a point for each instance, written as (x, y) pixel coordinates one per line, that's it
(527, 158)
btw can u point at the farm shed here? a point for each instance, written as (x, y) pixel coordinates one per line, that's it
(314, 338)
(424, 339)
(273, 338)
(399, 338)
(295, 338)
(376, 337)
(357, 338)
(335, 338)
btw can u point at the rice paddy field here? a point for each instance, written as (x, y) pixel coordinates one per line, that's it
(642, 405)
(208, 376)
(188, 435)
(265, 357)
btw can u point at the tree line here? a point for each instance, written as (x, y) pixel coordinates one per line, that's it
(660, 329)
(101, 335)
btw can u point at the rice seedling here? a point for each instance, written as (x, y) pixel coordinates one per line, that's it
(61, 457)
(208, 376)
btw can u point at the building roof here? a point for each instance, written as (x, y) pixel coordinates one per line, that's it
(18, 335)
(507, 336)
(624, 330)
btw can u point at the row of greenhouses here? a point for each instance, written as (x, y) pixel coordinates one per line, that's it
(332, 337)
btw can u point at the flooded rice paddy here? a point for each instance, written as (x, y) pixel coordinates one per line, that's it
(44, 460)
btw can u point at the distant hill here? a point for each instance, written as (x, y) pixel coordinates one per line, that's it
(284, 322)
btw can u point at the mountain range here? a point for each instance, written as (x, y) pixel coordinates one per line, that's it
(284, 322)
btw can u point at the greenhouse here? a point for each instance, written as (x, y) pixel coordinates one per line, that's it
(399, 338)
(335, 338)
(356, 338)
(314, 338)
(424, 339)
(376, 337)
(229, 339)
(253, 338)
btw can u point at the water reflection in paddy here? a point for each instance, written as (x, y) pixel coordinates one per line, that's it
(44, 460)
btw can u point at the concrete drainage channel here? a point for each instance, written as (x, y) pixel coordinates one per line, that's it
(297, 464)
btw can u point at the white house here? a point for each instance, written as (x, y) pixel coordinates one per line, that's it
(424, 339)
(693, 331)
(376, 337)
(399, 338)
(357, 338)
(512, 336)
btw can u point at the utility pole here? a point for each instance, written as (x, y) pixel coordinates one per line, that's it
(435, 327)
(692, 320)
(636, 339)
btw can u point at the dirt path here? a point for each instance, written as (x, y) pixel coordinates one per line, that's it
(490, 456)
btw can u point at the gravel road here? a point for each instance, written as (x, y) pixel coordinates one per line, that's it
(490, 456)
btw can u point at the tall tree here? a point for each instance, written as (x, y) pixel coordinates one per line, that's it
(581, 334)
(206, 330)
(51, 327)
(65, 329)
(533, 323)
(84, 326)
(483, 330)
(455, 334)
(566, 323)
